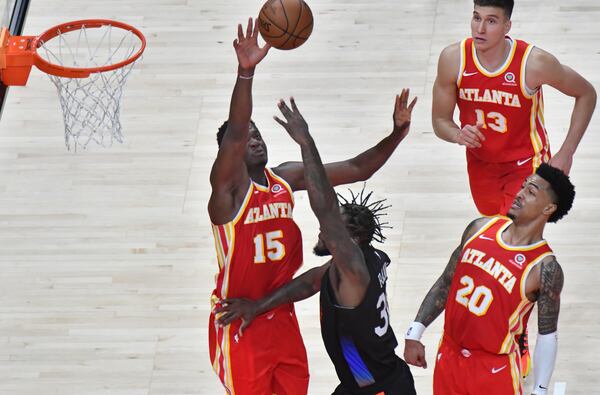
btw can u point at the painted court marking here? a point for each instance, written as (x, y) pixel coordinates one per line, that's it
(560, 388)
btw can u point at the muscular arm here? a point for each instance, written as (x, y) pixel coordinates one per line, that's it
(365, 164)
(551, 284)
(349, 274)
(300, 288)
(435, 300)
(347, 258)
(544, 68)
(229, 177)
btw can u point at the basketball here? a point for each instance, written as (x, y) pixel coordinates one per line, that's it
(285, 24)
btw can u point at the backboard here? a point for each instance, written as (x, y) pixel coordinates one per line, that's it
(13, 14)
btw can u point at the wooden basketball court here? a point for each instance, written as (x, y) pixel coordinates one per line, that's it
(107, 258)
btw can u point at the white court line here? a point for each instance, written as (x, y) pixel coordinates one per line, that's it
(560, 388)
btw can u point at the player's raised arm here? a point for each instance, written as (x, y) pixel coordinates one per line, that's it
(544, 358)
(229, 174)
(435, 302)
(365, 164)
(350, 274)
(544, 68)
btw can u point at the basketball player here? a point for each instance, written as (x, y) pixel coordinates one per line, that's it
(496, 83)
(354, 314)
(501, 268)
(259, 246)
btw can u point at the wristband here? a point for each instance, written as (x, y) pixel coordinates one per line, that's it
(243, 77)
(415, 331)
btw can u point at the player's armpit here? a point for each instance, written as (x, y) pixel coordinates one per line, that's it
(551, 284)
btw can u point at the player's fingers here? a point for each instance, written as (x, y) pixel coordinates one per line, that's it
(255, 32)
(285, 110)
(249, 28)
(397, 104)
(244, 325)
(235, 43)
(294, 106)
(240, 32)
(412, 104)
(424, 363)
(279, 121)
(226, 318)
(479, 131)
(404, 97)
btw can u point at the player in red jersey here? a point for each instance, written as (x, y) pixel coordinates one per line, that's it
(259, 247)
(501, 268)
(496, 83)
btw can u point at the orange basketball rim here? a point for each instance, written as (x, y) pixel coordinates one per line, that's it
(19, 53)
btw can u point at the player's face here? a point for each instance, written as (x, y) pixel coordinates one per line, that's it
(320, 249)
(256, 149)
(489, 25)
(533, 200)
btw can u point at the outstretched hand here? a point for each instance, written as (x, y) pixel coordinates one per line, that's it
(248, 52)
(230, 310)
(296, 126)
(403, 111)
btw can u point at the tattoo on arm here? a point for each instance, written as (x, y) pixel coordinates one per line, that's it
(551, 284)
(435, 301)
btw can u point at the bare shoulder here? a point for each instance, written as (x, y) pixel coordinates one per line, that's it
(473, 228)
(542, 68)
(449, 62)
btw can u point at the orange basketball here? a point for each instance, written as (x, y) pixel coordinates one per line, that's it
(285, 24)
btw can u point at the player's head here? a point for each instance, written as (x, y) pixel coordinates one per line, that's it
(490, 22)
(362, 219)
(256, 149)
(548, 193)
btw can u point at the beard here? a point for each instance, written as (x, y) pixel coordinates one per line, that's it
(321, 250)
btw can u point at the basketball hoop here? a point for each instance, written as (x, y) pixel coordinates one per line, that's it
(89, 62)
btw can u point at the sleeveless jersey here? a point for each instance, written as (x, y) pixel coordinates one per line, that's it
(487, 305)
(360, 340)
(513, 117)
(261, 248)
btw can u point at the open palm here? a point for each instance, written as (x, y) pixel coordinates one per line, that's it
(403, 110)
(248, 52)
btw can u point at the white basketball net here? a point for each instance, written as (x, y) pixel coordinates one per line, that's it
(91, 106)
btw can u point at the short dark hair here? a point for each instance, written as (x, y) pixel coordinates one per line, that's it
(223, 129)
(364, 218)
(506, 5)
(563, 190)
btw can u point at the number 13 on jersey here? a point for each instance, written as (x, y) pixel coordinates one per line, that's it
(494, 120)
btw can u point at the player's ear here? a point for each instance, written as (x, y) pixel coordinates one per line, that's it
(549, 209)
(507, 26)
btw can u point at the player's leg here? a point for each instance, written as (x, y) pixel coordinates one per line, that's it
(241, 363)
(494, 374)
(447, 366)
(403, 384)
(290, 374)
(485, 185)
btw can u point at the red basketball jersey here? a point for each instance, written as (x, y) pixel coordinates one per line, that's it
(261, 248)
(513, 116)
(487, 305)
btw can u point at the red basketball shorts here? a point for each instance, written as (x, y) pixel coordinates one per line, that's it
(269, 358)
(495, 185)
(459, 371)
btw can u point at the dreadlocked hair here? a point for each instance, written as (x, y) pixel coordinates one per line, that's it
(364, 217)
